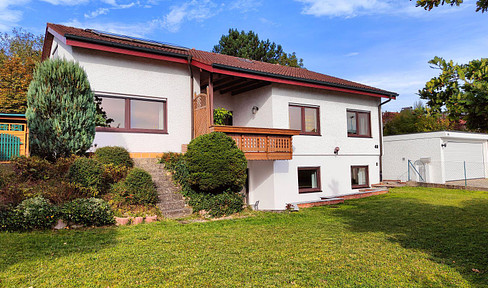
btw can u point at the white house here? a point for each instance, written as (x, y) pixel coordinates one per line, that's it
(306, 135)
(435, 157)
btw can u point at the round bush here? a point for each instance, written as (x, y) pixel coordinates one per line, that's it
(88, 212)
(139, 188)
(217, 205)
(36, 213)
(88, 173)
(114, 155)
(215, 164)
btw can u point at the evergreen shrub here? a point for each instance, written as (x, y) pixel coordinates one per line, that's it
(61, 112)
(88, 173)
(115, 155)
(88, 212)
(36, 213)
(137, 188)
(215, 164)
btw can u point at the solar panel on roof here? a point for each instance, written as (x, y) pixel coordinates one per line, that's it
(136, 39)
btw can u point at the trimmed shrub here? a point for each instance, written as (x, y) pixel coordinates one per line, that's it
(114, 173)
(36, 213)
(137, 188)
(114, 155)
(217, 205)
(88, 212)
(88, 173)
(215, 164)
(61, 110)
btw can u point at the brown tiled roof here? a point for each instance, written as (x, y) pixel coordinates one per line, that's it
(214, 59)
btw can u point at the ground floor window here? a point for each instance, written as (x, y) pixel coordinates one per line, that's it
(134, 114)
(359, 177)
(309, 179)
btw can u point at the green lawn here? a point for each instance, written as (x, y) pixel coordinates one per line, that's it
(409, 237)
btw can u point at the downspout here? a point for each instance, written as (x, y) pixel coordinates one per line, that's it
(380, 124)
(191, 96)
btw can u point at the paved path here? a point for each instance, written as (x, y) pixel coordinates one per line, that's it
(471, 182)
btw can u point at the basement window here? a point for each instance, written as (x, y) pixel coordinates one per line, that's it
(359, 177)
(309, 179)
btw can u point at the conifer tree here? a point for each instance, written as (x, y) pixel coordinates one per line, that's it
(61, 111)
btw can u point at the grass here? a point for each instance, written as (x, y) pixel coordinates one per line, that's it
(410, 237)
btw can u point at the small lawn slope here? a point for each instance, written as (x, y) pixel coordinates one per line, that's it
(410, 237)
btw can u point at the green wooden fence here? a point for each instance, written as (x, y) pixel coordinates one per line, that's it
(9, 146)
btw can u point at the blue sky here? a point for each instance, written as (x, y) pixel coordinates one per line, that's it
(382, 43)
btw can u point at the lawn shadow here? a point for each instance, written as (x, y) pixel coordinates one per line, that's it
(453, 235)
(50, 245)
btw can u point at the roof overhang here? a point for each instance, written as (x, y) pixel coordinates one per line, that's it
(252, 74)
(119, 48)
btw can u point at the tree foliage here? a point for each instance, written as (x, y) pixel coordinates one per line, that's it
(247, 45)
(461, 90)
(415, 120)
(481, 5)
(20, 51)
(215, 164)
(61, 110)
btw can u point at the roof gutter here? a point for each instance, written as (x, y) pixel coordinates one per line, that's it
(125, 46)
(391, 95)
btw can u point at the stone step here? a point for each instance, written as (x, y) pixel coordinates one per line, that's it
(171, 203)
(169, 197)
(178, 213)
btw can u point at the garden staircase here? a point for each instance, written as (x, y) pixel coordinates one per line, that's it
(171, 202)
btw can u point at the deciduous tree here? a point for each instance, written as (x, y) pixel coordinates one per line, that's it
(20, 51)
(481, 5)
(461, 90)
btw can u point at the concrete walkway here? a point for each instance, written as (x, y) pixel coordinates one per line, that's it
(482, 183)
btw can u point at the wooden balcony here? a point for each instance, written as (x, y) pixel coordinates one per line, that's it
(261, 143)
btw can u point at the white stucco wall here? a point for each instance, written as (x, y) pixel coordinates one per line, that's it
(128, 75)
(313, 151)
(241, 106)
(398, 149)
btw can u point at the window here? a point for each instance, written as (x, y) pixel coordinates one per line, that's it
(359, 177)
(309, 179)
(305, 119)
(358, 124)
(134, 115)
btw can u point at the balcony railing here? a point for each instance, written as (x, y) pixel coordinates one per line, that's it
(261, 143)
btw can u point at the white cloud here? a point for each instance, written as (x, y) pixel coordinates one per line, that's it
(352, 8)
(66, 2)
(188, 11)
(9, 14)
(104, 11)
(99, 11)
(245, 5)
(352, 54)
(349, 8)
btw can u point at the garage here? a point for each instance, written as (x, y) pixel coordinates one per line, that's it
(435, 157)
(459, 154)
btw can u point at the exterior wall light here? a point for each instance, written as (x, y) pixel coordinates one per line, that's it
(254, 109)
(336, 150)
